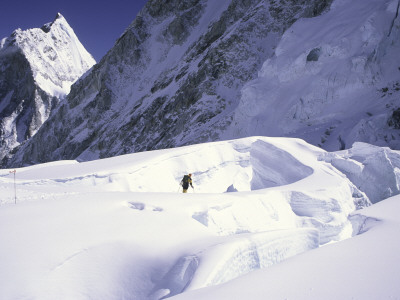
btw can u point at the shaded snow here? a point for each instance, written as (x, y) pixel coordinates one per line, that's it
(332, 81)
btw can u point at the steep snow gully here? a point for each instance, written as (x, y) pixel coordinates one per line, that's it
(260, 199)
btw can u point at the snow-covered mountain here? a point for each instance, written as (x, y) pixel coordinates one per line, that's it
(191, 71)
(174, 77)
(37, 68)
(120, 228)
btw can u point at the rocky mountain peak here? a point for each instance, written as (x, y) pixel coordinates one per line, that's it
(59, 17)
(38, 67)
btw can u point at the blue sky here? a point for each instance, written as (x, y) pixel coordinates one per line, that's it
(98, 24)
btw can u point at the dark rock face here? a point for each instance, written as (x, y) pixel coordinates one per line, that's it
(394, 120)
(173, 78)
(23, 102)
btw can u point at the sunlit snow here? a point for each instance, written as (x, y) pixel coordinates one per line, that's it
(121, 227)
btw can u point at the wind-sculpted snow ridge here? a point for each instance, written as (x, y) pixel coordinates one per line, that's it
(256, 202)
(364, 163)
(235, 257)
(252, 165)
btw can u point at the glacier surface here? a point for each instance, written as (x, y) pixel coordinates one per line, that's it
(120, 227)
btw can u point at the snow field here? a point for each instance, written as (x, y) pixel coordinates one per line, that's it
(118, 228)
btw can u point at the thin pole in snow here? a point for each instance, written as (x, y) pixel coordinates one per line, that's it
(15, 186)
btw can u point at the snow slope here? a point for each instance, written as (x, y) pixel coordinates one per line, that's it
(118, 227)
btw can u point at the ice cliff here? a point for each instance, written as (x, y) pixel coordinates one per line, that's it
(333, 80)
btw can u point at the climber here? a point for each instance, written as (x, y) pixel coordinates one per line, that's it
(186, 180)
